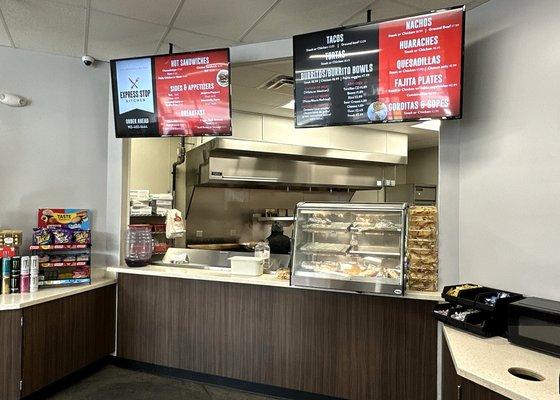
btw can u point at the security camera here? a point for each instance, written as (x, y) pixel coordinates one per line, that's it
(88, 61)
(12, 100)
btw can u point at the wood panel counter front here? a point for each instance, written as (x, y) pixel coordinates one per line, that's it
(337, 344)
(45, 336)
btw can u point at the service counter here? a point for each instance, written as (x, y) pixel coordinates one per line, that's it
(49, 334)
(263, 331)
(477, 368)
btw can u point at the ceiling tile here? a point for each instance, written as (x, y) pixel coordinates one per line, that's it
(284, 67)
(258, 96)
(76, 3)
(45, 26)
(187, 41)
(4, 40)
(427, 5)
(250, 76)
(292, 17)
(159, 11)
(382, 9)
(228, 19)
(111, 36)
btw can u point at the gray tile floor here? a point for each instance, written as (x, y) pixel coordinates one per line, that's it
(114, 383)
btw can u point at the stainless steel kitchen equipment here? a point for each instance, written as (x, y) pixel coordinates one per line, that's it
(229, 180)
(413, 194)
(211, 259)
(351, 247)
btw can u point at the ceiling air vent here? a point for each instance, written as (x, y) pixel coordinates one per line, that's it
(279, 83)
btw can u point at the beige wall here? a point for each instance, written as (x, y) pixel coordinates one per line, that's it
(151, 164)
(422, 166)
(281, 130)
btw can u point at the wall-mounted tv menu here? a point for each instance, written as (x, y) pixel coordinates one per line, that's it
(399, 70)
(183, 94)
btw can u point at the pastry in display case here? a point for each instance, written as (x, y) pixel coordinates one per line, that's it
(422, 252)
(351, 247)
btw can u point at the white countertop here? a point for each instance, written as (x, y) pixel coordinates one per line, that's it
(222, 276)
(486, 362)
(22, 300)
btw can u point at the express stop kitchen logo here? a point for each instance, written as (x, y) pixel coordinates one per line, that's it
(134, 83)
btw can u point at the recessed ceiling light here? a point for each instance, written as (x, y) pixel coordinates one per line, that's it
(290, 105)
(430, 125)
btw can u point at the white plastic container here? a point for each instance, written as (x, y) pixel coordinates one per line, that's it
(243, 265)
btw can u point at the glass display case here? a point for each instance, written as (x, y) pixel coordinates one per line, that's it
(352, 247)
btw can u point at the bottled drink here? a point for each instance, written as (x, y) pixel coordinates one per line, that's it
(34, 274)
(262, 250)
(25, 274)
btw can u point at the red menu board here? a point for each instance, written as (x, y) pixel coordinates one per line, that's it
(399, 70)
(184, 94)
(193, 93)
(420, 65)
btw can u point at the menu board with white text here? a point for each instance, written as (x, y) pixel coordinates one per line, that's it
(184, 94)
(399, 70)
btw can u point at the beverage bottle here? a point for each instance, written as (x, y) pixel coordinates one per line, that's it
(262, 250)
(34, 274)
(25, 274)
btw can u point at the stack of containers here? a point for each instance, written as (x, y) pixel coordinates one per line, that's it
(162, 202)
(422, 248)
(11, 237)
(140, 202)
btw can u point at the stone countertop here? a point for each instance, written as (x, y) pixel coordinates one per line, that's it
(222, 276)
(485, 361)
(22, 300)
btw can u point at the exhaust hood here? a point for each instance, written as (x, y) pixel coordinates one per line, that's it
(248, 163)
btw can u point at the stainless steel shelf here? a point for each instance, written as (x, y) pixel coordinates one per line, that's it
(375, 252)
(374, 230)
(272, 219)
(311, 228)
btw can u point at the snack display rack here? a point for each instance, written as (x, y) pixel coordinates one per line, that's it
(422, 250)
(53, 271)
(350, 247)
(62, 241)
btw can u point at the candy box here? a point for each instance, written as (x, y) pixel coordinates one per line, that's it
(81, 236)
(70, 218)
(62, 236)
(42, 236)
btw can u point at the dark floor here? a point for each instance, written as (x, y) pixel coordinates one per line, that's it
(114, 383)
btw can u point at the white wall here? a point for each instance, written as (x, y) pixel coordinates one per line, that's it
(507, 175)
(53, 153)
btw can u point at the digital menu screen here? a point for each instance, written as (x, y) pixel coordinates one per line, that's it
(400, 70)
(183, 94)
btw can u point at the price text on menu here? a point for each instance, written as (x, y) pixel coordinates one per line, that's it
(405, 69)
(185, 94)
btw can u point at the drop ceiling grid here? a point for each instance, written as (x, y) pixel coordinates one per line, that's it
(56, 28)
(112, 36)
(5, 37)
